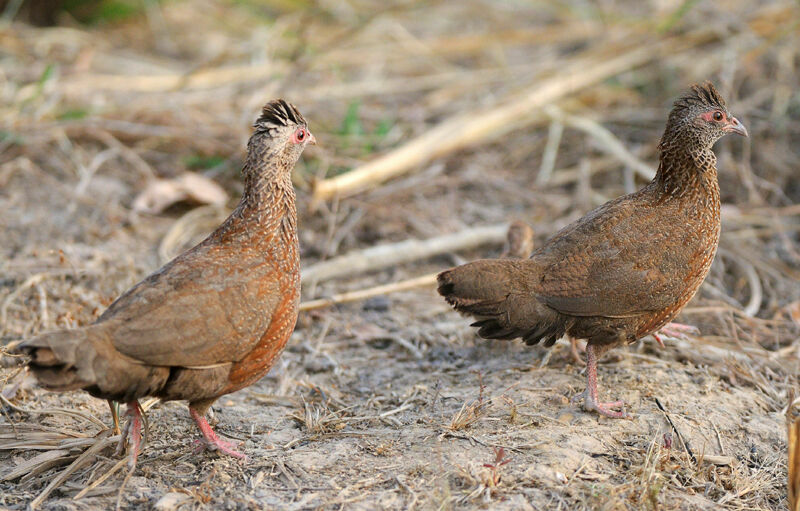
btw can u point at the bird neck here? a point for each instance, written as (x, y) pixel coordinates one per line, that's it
(270, 199)
(267, 209)
(687, 171)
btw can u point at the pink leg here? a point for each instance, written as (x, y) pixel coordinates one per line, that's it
(133, 428)
(213, 442)
(590, 396)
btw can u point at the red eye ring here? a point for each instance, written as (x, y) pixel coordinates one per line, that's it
(300, 135)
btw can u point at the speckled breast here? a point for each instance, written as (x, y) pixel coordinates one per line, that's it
(708, 233)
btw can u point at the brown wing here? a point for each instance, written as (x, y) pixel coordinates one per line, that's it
(620, 260)
(202, 308)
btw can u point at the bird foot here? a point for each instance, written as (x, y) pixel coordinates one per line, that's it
(210, 439)
(679, 330)
(223, 446)
(605, 409)
(675, 330)
(590, 404)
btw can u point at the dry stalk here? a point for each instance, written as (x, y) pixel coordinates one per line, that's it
(318, 419)
(470, 413)
(383, 256)
(103, 441)
(606, 140)
(362, 294)
(467, 129)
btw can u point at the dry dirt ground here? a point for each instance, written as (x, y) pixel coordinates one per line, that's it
(353, 419)
(392, 402)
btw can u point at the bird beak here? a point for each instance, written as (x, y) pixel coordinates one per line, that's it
(313, 139)
(735, 127)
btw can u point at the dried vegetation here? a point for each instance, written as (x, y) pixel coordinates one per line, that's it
(438, 122)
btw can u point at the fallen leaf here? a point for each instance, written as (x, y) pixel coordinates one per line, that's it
(162, 193)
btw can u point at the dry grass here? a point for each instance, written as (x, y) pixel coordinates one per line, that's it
(532, 111)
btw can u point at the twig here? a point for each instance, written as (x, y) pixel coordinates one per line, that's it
(756, 293)
(719, 438)
(286, 474)
(43, 315)
(361, 294)
(550, 151)
(381, 256)
(52, 411)
(678, 433)
(606, 141)
(719, 354)
(407, 345)
(131, 156)
(39, 464)
(102, 442)
(413, 495)
(99, 481)
(122, 486)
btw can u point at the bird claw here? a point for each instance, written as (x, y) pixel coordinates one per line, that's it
(578, 397)
(605, 408)
(199, 445)
(223, 446)
(210, 439)
(590, 404)
(675, 331)
(679, 330)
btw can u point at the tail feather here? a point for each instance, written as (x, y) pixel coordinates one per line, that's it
(53, 359)
(85, 358)
(499, 294)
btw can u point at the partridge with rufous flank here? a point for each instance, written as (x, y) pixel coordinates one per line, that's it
(625, 269)
(211, 321)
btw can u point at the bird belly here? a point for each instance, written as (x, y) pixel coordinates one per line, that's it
(194, 383)
(604, 331)
(260, 360)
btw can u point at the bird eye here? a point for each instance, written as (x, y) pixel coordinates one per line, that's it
(717, 115)
(300, 135)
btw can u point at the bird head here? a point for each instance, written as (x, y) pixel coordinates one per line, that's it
(281, 133)
(700, 118)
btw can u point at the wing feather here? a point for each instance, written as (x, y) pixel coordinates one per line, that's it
(615, 263)
(195, 311)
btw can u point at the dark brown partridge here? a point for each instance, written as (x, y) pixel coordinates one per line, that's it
(624, 270)
(211, 321)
